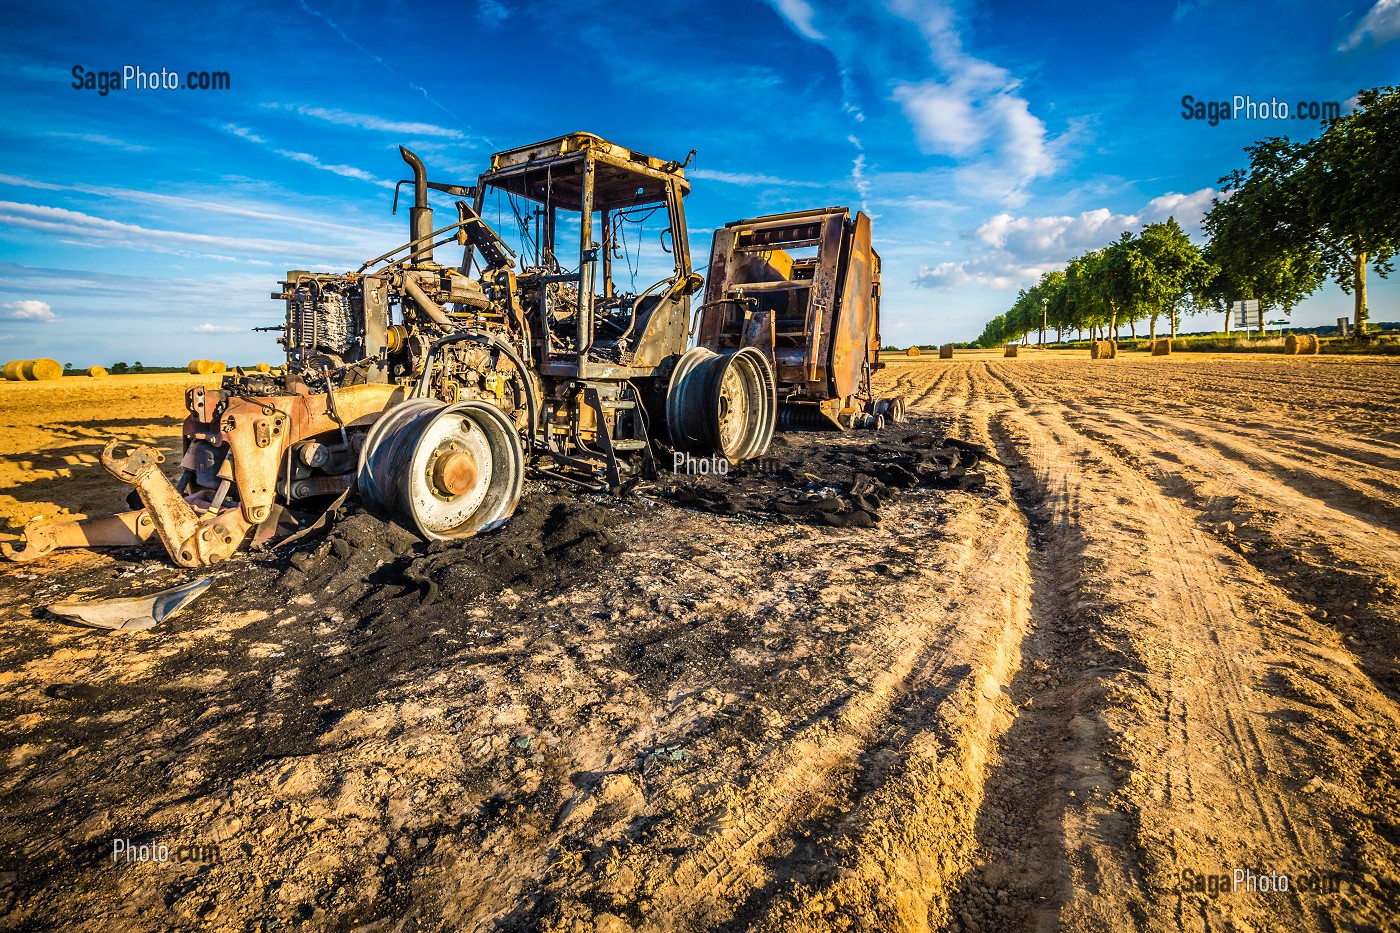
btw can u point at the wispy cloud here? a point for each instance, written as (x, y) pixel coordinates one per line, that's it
(1381, 23)
(348, 171)
(100, 139)
(216, 329)
(369, 122)
(751, 179)
(89, 230)
(1015, 251)
(245, 133)
(959, 106)
(491, 12)
(388, 67)
(298, 222)
(799, 14)
(306, 158)
(29, 310)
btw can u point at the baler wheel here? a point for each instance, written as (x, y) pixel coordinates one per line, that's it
(724, 404)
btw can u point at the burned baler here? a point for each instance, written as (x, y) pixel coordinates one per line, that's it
(803, 289)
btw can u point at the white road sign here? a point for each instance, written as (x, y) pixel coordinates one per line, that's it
(1247, 313)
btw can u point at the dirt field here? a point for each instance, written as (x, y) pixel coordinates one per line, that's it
(1154, 644)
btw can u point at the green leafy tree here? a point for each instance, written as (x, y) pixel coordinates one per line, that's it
(1351, 179)
(1260, 230)
(1085, 278)
(119, 368)
(1174, 272)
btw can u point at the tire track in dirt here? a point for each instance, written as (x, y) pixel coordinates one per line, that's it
(858, 812)
(1197, 642)
(910, 820)
(1258, 517)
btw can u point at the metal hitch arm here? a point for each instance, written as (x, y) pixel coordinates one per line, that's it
(190, 540)
(44, 536)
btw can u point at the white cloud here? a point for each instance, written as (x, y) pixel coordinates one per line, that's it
(89, 230)
(366, 121)
(246, 133)
(799, 14)
(306, 158)
(959, 106)
(751, 179)
(198, 205)
(101, 139)
(1016, 251)
(1381, 23)
(216, 329)
(943, 118)
(29, 310)
(348, 171)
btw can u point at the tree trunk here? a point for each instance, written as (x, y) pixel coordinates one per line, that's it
(1172, 315)
(1132, 326)
(1059, 334)
(1229, 313)
(1152, 329)
(1358, 272)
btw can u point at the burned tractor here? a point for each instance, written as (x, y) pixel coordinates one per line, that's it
(430, 388)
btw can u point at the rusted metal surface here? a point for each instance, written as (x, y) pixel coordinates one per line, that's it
(802, 288)
(541, 343)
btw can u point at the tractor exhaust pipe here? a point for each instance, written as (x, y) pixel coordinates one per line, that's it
(420, 216)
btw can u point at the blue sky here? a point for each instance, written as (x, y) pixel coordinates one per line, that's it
(989, 141)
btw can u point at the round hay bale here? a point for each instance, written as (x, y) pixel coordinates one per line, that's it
(1314, 344)
(945, 352)
(12, 370)
(263, 368)
(1293, 343)
(1095, 349)
(1113, 349)
(1013, 349)
(1162, 347)
(912, 351)
(96, 372)
(42, 369)
(220, 366)
(201, 367)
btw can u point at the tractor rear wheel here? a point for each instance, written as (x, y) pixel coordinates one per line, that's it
(443, 471)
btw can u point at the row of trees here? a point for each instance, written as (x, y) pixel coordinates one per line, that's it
(1299, 214)
(118, 368)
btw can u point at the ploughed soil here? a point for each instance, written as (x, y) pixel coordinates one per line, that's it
(1085, 645)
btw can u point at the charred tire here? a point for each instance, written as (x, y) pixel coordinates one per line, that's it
(722, 404)
(891, 408)
(443, 471)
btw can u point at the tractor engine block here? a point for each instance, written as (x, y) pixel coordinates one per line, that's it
(324, 319)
